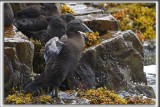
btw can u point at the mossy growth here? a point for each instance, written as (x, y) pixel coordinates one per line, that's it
(38, 60)
(66, 9)
(93, 39)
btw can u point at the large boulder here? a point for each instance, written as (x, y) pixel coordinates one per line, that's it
(115, 63)
(100, 22)
(18, 57)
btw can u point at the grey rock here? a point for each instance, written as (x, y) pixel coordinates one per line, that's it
(115, 63)
(64, 95)
(81, 9)
(100, 22)
(18, 57)
(70, 98)
(140, 89)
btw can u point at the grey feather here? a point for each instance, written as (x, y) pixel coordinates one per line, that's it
(52, 48)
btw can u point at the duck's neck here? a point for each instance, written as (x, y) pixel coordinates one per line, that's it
(73, 34)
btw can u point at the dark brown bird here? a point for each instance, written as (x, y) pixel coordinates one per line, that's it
(61, 56)
(57, 25)
(35, 18)
(8, 14)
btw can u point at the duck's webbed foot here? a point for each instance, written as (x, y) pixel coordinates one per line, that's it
(32, 88)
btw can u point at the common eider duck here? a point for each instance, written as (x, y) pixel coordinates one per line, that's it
(57, 25)
(35, 18)
(61, 56)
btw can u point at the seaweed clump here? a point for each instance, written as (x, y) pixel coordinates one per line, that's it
(20, 98)
(102, 96)
(38, 60)
(139, 17)
(66, 9)
(139, 100)
(8, 31)
(93, 39)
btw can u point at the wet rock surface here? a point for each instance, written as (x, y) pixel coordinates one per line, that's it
(100, 22)
(149, 52)
(115, 63)
(71, 98)
(151, 76)
(18, 56)
(81, 9)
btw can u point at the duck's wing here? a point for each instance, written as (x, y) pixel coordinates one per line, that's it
(30, 24)
(30, 12)
(52, 48)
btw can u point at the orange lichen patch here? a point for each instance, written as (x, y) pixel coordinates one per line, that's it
(140, 36)
(93, 39)
(8, 31)
(66, 9)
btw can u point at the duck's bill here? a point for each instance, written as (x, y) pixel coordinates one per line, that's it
(86, 29)
(84, 35)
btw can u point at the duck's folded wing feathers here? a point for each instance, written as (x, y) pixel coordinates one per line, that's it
(52, 48)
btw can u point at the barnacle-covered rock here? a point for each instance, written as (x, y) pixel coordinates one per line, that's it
(115, 63)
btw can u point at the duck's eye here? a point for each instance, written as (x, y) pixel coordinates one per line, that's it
(78, 23)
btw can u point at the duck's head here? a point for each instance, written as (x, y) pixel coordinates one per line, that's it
(57, 22)
(76, 26)
(51, 6)
(67, 17)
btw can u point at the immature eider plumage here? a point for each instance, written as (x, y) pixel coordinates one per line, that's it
(35, 18)
(57, 25)
(61, 56)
